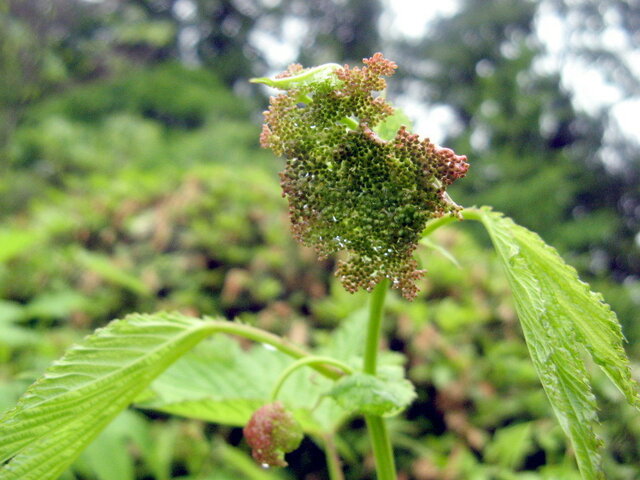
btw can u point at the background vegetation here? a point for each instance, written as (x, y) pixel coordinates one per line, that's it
(131, 180)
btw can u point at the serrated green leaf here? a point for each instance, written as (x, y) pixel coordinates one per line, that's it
(386, 394)
(108, 456)
(221, 383)
(81, 393)
(559, 314)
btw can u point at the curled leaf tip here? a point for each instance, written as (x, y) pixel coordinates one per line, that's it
(348, 188)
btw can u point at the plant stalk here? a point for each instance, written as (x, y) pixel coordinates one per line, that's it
(279, 343)
(333, 459)
(374, 327)
(382, 450)
(472, 214)
(307, 361)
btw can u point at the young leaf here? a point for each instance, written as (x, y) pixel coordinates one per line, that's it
(559, 314)
(62, 412)
(302, 79)
(388, 128)
(386, 394)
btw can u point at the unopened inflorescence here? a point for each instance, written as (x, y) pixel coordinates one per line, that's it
(348, 189)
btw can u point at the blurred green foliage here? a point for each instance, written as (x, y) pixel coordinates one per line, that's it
(141, 205)
(140, 189)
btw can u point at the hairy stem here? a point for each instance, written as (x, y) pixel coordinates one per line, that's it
(307, 361)
(382, 451)
(275, 341)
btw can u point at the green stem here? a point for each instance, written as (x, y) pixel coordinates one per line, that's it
(275, 341)
(472, 214)
(467, 214)
(333, 460)
(307, 361)
(436, 223)
(322, 365)
(375, 323)
(382, 450)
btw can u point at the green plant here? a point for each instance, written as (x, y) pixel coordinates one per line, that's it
(356, 180)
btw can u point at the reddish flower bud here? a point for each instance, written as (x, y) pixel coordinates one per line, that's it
(271, 432)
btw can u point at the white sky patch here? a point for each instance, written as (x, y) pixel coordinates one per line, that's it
(435, 122)
(627, 112)
(591, 90)
(410, 18)
(270, 3)
(185, 10)
(283, 50)
(279, 53)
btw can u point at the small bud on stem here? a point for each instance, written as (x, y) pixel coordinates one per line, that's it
(271, 432)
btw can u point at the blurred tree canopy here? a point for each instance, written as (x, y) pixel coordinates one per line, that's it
(534, 155)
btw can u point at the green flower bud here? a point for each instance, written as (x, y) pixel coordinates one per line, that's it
(271, 432)
(347, 188)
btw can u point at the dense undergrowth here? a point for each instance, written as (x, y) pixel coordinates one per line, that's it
(150, 193)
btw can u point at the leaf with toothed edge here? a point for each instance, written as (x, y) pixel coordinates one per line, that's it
(385, 394)
(561, 317)
(79, 395)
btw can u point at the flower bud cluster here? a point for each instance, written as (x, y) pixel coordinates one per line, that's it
(347, 188)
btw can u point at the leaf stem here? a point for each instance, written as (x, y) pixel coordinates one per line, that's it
(333, 460)
(472, 214)
(436, 223)
(382, 450)
(307, 361)
(279, 343)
